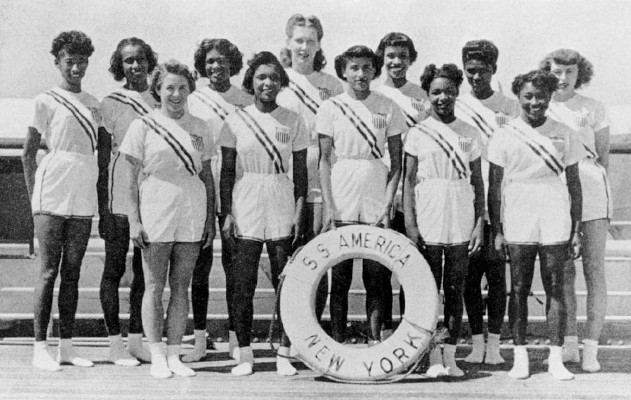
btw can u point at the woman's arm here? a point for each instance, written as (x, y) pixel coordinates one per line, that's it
(104, 151)
(477, 236)
(602, 146)
(395, 149)
(496, 175)
(326, 146)
(209, 226)
(300, 193)
(226, 184)
(409, 213)
(130, 170)
(29, 158)
(576, 207)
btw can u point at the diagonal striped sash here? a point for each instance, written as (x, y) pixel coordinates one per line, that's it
(217, 108)
(360, 125)
(448, 149)
(264, 139)
(304, 97)
(138, 107)
(554, 115)
(168, 137)
(546, 156)
(85, 122)
(478, 119)
(590, 152)
(409, 120)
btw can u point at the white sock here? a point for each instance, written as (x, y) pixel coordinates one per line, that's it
(199, 351)
(42, 358)
(477, 353)
(118, 354)
(67, 355)
(159, 367)
(436, 367)
(233, 345)
(283, 365)
(174, 362)
(136, 349)
(590, 353)
(493, 356)
(521, 365)
(570, 349)
(555, 364)
(246, 362)
(449, 360)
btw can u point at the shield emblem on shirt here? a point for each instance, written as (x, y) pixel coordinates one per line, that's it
(501, 118)
(465, 144)
(379, 121)
(282, 134)
(559, 144)
(198, 143)
(582, 120)
(418, 105)
(325, 93)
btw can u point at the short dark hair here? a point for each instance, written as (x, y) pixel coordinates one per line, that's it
(538, 78)
(358, 51)
(223, 46)
(170, 67)
(310, 21)
(396, 39)
(73, 42)
(263, 58)
(482, 50)
(116, 61)
(449, 71)
(570, 57)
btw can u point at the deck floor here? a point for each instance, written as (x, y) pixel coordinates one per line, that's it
(19, 380)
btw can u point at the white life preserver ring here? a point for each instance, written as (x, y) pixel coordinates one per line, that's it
(320, 351)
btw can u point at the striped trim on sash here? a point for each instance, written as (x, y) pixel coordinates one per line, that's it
(590, 152)
(409, 120)
(84, 121)
(261, 136)
(304, 97)
(137, 106)
(177, 147)
(220, 111)
(548, 158)
(360, 125)
(479, 120)
(447, 148)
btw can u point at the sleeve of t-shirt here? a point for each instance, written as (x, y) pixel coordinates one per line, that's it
(107, 112)
(40, 119)
(575, 150)
(495, 148)
(338, 88)
(301, 140)
(134, 141)
(324, 119)
(226, 136)
(601, 117)
(397, 125)
(209, 143)
(411, 142)
(476, 145)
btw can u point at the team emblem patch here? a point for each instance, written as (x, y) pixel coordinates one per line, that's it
(325, 93)
(501, 118)
(198, 143)
(582, 120)
(559, 144)
(379, 121)
(465, 144)
(96, 115)
(418, 105)
(282, 134)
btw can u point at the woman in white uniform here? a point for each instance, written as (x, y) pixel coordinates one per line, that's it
(172, 216)
(263, 206)
(218, 60)
(132, 61)
(358, 189)
(530, 154)
(63, 192)
(444, 214)
(486, 110)
(589, 118)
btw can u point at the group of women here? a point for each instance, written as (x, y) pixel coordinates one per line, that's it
(294, 153)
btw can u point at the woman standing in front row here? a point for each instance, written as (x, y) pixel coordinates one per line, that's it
(217, 60)
(589, 118)
(132, 60)
(531, 153)
(359, 189)
(445, 213)
(172, 216)
(263, 206)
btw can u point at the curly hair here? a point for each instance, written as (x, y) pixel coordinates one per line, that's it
(358, 51)
(570, 57)
(223, 46)
(116, 61)
(263, 58)
(170, 67)
(448, 71)
(396, 39)
(73, 42)
(538, 78)
(310, 21)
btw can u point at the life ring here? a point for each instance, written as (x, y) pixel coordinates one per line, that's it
(320, 351)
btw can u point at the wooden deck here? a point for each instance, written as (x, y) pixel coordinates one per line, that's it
(19, 380)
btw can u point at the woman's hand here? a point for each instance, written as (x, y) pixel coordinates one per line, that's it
(298, 230)
(138, 235)
(209, 233)
(477, 238)
(384, 220)
(415, 236)
(575, 245)
(229, 229)
(501, 246)
(328, 219)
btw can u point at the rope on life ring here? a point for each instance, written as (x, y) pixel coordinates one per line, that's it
(351, 364)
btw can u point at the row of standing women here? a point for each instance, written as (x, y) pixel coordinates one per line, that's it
(161, 176)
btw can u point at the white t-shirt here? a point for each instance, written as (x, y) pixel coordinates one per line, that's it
(411, 98)
(488, 114)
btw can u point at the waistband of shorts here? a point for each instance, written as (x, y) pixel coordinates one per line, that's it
(73, 155)
(445, 182)
(175, 178)
(358, 159)
(534, 181)
(256, 175)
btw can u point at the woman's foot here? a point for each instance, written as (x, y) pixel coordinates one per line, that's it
(449, 360)
(283, 365)
(555, 365)
(233, 345)
(521, 364)
(199, 351)
(174, 362)
(246, 363)
(493, 356)
(67, 355)
(159, 367)
(570, 349)
(136, 349)
(590, 353)
(42, 358)
(477, 353)
(118, 354)
(436, 367)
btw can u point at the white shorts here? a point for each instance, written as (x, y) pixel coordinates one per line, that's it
(173, 209)
(537, 212)
(359, 190)
(445, 212)
(65, 185)
(597, 201)
(263, 206)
